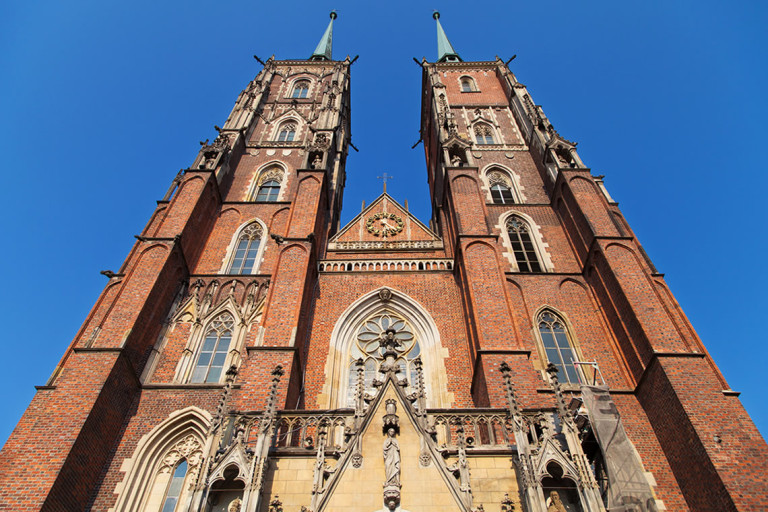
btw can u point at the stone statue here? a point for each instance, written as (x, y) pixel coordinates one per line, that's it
(317, 162)
(235, 505)
(555, 504)
(391, 460)
(456, 161)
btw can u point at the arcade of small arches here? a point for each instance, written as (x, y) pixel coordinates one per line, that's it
(414, 265)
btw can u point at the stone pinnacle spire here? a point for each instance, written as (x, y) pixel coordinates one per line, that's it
(325, 46)
(445, 52)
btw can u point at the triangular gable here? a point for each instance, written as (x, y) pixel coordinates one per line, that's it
(421, 485)
(384, 220)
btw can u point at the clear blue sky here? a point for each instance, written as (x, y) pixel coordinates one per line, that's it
(103, 102)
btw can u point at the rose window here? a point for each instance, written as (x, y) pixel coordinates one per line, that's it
(368, 347)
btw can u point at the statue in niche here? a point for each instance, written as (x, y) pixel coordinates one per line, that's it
(208, 162)
(555, 504)
(456, 161)
(391, 460)
(317, 163)
(235, 505)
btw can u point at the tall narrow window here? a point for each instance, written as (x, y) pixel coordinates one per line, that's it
(300, 89)
(213, 353)
(175, 487)
(268, 191)
(522, 245)
(287, 133)
(467, 84)
(557, 346)
(484, 134)
(244, 261)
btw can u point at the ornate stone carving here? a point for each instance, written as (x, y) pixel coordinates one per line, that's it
(235, 505)
(322, 141)
(276, 505)
(555, 503)
(385, 245)
(385, 294)
(507, 505)
(497, 178)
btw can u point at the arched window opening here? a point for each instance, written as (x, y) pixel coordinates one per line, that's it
(501, 191)
(484, 134)
(268, 191)
(467, 84)
(287, 132)
(522, 245)
(247, 250)
(560, 493)
(175, 487)
(226, 494)
(213, 353)
(300, 89)
(557, 346)
(367, 346)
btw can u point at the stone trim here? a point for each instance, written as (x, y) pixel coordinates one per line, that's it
(393, 265)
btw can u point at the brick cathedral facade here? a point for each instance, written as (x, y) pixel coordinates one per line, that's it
(518, 351)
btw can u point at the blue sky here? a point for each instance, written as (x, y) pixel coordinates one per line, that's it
(103, 102)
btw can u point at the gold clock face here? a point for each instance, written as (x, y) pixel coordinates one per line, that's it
(384, 224)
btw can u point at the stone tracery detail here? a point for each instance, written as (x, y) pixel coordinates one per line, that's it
(370, 347)
(497, 178)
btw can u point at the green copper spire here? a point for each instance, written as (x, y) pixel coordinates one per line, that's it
(325, 46)
(445, 52)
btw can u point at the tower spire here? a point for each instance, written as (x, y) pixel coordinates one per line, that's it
(445, 52)
(325, 46)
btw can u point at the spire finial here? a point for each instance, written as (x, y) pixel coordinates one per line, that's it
(445, 52)
(325, 46)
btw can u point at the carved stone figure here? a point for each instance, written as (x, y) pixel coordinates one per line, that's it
(317, 162)
(555, 504)
(235, 505)
(456, 161)
(391, 460)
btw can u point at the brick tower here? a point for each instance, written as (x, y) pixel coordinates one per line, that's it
(517, 352)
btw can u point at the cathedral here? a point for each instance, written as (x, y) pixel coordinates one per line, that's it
(517, 351)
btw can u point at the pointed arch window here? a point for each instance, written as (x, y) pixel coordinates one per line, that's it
(287, 132)
(175, 486)
(484, 134)
(557, 346)
(247, 250)
(468, 84)
(522, 245)
(300, 89)
(501, 189)
(210, 361)
(268, 191)
(367, 347)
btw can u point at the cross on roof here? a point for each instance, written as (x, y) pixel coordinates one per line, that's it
(384, 179)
